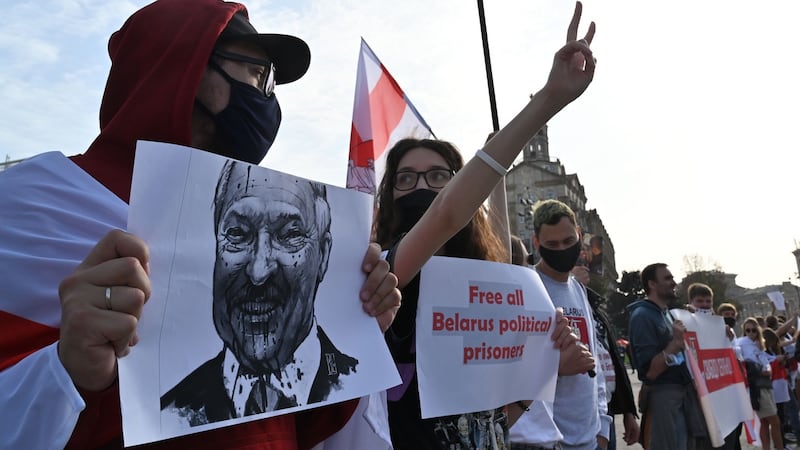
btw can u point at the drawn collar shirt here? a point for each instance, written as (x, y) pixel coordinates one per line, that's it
(294, 381)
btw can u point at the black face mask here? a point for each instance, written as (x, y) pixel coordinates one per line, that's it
(410, 209)
(561, 260)
(246, 128)
(729, 321)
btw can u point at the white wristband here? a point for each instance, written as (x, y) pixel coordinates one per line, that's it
(485, 157)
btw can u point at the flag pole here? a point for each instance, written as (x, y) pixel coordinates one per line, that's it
(488, 63)
(498, 202)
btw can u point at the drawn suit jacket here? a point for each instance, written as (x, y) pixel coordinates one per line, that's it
(201, 397)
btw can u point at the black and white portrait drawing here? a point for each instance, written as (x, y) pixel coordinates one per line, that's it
(273, 245)
(255, 308)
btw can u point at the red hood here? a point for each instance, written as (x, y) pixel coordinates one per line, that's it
(157, 60)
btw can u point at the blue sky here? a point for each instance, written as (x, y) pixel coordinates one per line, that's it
(685, 142)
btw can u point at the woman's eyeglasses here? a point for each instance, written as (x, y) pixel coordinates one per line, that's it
(751, 330)
(436, 178)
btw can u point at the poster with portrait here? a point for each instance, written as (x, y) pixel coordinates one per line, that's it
(482, 337)
(255, 308)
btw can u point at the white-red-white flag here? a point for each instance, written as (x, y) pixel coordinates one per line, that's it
(382, 115)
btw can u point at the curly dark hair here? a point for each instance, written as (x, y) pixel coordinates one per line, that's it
(482, 242)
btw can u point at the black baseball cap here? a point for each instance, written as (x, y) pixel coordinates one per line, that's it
(289, 54)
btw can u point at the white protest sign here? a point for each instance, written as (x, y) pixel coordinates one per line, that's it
(482, 337)
(777, 299)
(255, 308)
(717, 374)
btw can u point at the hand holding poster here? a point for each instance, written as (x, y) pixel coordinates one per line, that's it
(254, 309)
(716, 372)
(482, 327)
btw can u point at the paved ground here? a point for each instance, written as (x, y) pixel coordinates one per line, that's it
(618, 420)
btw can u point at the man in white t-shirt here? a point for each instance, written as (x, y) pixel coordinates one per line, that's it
(579, 410)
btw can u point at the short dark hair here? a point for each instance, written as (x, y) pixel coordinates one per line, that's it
(699, 290)
(772, 322)
(649, 274)
(550, 212)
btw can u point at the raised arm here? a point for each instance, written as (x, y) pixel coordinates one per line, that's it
(572, 71)
(498, 211)
(786, 326)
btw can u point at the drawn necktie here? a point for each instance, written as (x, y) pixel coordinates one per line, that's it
(262, 398)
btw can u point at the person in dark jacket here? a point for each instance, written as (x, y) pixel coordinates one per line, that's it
(622, 400)
(671, 419)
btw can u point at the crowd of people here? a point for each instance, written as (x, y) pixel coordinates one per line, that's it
(671, 415)
(197, 73)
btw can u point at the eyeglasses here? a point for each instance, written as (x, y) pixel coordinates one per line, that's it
(266, 70)
(436, 178)
(751, 330)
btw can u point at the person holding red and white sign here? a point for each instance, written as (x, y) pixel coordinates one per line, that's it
(667, 399)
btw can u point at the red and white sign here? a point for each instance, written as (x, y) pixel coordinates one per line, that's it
(717, 374)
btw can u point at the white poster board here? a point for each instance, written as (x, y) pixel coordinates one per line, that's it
(716, 373)
(777, 299)
(482, 337)
(248, 244)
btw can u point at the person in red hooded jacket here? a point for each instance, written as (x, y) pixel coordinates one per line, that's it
(190, 72)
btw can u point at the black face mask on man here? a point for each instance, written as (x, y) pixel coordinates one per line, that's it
(246, 128)
(561, 260)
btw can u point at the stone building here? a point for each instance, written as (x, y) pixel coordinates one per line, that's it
(756, 302)
(537, 177)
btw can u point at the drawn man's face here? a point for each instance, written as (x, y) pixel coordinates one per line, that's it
(272, 252)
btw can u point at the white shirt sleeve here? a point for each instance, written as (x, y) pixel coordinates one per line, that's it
(368, 427)
(45, 403)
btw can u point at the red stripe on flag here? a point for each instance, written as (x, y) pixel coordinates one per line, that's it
(21, 337)
(361, 152)
(720, 368)
(387, 106)
(381, 115)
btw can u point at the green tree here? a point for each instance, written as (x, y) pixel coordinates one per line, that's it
(628, 290)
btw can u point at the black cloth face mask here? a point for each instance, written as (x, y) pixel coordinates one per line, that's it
(247, 127)
(412, 206)
(561, 260)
